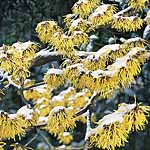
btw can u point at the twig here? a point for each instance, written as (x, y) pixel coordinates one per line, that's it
(122, 12)
(35, 136)
(35, 85)
(46, 56)
(45, 139)
(88, 128)
(40, 125)
(21, 94)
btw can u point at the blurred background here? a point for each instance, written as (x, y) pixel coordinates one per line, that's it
(18, 19)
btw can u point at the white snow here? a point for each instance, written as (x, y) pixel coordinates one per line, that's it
(54, 71)
(43, 119)
(26, 112)
(57, 109)
(22, 46)
(66, 133)
(12, 116)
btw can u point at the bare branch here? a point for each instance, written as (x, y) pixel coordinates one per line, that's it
(46, 56)
(35, 85)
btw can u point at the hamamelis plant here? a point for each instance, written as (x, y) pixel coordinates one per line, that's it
(67, 94)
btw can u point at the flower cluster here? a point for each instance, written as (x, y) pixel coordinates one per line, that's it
(84, 7)
(16, 59)
(127, 24)
(113, 129)
(46, 30)
(17, 146)
(102, 15)
(79, 25)
(108, 54)
(120, 73)
(65, 137)
(54, 78)
(60, 119)
(137, 4)
(12, 125)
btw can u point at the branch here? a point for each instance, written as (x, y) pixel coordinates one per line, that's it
(35, 85)
(29, 142)
(45, 139)
(46, 56)
(88, 128)
(122, 12)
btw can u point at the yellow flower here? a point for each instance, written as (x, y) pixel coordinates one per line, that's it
(60, 119)
(65, 137)
(2, 144)
(84, 7)
(43, 106)
(69, 18)
(54, 78)
(136, 119)
(124, 65)
(63, 98)
(105, 55)
(113, 129)
(109, 53)
(79, 25)
(101, 16)
(28, 115)
(37, 93)
(28, 49)
(137, 4)
(79, 38)
(15, 60)
(46, 30)
(127, 24)
(133, 42)
(63, 44)
(80, 99)
(110, 136)
(18, 146)
(11, 126)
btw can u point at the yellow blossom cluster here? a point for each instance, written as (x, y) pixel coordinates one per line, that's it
(40, 96)
(60, 119)
(120, 73)
(137, 4)
(69, 18)
(102, 15)
(79, 25)
(12, 125)
(36, 93)
(84, 7)
(16, 59)
(43, 106)
(65, 137)
(66, 44)
(49, 32)
(108, 54)
(62, 99)
(54, 78)
(17, 146)
(127, 24)
(113, 129)
(2, 144)
(46, 30)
